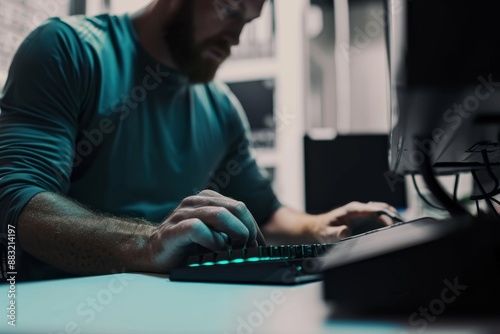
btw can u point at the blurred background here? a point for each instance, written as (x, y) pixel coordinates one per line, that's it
(312, 76)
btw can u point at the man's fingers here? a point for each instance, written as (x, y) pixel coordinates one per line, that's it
(211, 193)
(361, 210)
(218, 219)
(171, 240)
(336, 233)
(238, 209)
(385, 206)
(356, 210)
(225, 237)
(195, 231)
(202, 235)
(260, 241)
(385, 220)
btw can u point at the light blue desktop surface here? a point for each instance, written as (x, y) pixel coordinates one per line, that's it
(146, 304)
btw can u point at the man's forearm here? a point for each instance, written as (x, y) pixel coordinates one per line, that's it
(287, 226)
(74, 239)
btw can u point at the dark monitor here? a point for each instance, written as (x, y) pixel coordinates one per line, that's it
(354, 169)
(444, 60)
(257, 99)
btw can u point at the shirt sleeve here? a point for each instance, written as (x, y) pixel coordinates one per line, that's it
(38, 119)
(243, 179)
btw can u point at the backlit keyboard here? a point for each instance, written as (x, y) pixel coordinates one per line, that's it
(284, 264)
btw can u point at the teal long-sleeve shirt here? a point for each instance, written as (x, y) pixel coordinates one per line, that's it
(88, 113)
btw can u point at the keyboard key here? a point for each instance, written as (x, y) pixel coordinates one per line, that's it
(307, 250)
(239, 253)
(285, 251)
(274, 251)
(253, 253)
(208, 258)
(263, 251)
(317, 250)
(224, 255)
(194, 260)
(299, 251)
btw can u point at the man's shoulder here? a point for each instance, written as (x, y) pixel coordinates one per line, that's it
(222, 96)
(90, 29)
(72, 32)
(227, 104)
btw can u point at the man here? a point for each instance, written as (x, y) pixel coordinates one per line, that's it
(109, 122)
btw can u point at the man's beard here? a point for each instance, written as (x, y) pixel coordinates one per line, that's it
(185, 54)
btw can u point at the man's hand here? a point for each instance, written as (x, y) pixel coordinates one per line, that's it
(207, 219)
(336, 224)
(74, 239)
(291, 227)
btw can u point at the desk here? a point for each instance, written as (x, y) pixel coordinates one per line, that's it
(147, 304)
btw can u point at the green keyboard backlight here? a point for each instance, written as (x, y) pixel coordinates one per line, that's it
(251, 259)
(208, 264)
(237, 261)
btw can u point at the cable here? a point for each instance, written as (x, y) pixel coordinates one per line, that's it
(487, 199)
(489, 170)
(455, 209)
(492, 207)
(422, 197)
(496, 189)
(489, 195)
(479, 213)
(495, 200)
(455, 188)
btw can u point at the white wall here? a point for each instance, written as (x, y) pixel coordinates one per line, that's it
(17, 20)
(353, 71)
(368, 67)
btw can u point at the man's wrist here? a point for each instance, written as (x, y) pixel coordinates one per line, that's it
(313, 226)
(137, 251)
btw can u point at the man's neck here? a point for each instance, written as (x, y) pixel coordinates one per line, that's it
(150, 29)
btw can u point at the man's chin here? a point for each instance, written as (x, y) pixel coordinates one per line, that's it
(204, 73)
